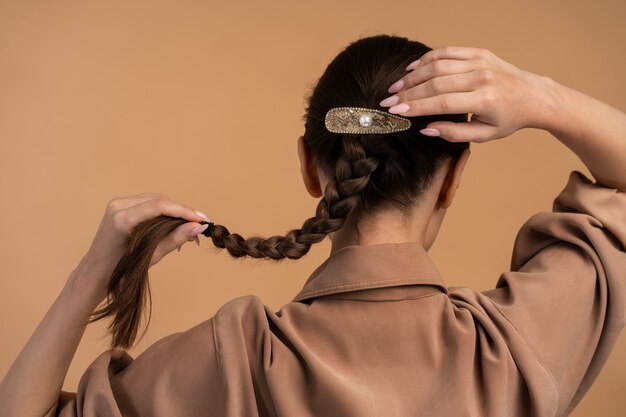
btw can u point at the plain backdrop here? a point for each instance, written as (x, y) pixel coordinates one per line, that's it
(203, 101)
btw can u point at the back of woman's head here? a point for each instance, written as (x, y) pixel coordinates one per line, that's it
(373, 170)
(365, 172)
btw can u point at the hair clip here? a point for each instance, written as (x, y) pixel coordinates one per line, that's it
(356, 120)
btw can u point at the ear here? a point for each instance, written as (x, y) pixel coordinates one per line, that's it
(308, 168)
(453, 180)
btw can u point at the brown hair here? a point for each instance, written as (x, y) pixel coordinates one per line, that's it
(365, 172)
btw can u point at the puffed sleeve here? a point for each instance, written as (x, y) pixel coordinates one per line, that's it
(176, 376)
(566, 291)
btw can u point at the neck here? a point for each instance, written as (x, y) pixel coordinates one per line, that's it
(389, 226)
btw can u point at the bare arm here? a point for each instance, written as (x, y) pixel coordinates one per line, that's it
(503, 99)
(592, 129)
(32, 386)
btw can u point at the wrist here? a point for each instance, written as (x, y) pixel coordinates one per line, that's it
(89, 283)
(546, 110)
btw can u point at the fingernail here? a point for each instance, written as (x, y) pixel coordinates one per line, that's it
(197, 239)
(390, 101)
(204, 216)
(198, 229)
(396, 86)
(413, 64)
(399, 108)
(430, 132)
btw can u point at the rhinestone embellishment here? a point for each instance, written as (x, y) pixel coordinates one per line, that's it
(356, 120)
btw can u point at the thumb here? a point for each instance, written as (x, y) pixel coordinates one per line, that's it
(473, 131)
(176, 239)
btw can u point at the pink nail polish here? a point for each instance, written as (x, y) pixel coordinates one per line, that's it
(396, 86)
(413, 64)
(399, 108)
(390, 101)
(430, 132)
(198, 229)
(204, 216)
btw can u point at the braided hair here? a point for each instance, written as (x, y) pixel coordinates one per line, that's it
(365, 173)
(341, 197)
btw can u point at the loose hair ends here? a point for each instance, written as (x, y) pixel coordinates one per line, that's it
(128, 290)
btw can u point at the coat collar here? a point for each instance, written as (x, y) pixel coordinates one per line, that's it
(356, 271)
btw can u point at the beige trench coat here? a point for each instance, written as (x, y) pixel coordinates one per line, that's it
(376, 332)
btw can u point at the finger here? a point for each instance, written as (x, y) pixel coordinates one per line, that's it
(432, 70)
(473, 131)
(155, 207)
(458, 83)
(175, 240)
(452, 103)
(122, 203)
(452, 52)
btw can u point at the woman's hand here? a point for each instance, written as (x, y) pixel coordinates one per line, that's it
(121, 216)
(451, 80)
(33, 384)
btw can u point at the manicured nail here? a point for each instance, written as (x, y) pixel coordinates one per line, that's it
(399, 108)
(204, 216)
(390, 101)
(197, 239)
(396, 86)
(198, 229)
(413, 64)
(430, 132)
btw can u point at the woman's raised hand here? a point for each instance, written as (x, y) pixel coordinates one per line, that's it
(455, 79)
(123, 214)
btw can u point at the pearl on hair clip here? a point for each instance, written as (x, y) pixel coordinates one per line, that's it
(365, 120)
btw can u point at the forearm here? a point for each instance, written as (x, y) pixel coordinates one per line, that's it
(33, 383)
(592, 129)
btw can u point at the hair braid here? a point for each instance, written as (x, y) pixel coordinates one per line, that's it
(341, 197)
(404, 163)
(129, 289)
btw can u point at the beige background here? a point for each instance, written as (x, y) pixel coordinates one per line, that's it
(203, 101)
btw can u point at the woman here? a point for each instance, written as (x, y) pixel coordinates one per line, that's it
(374, 331)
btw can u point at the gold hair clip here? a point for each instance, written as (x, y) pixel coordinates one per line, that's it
(357, 120)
